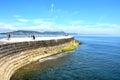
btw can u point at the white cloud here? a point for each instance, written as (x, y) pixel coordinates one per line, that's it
(107, 25)
(76, 26)
(38, 21)
(86, 29)
(76, 22)
(42, 22)
(6, 27)
(90, 29)
(23, 20)
(16, 16)
(37, 28)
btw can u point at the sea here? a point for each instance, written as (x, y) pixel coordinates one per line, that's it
(97, 58)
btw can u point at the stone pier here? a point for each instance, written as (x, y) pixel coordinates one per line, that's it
(18, 52)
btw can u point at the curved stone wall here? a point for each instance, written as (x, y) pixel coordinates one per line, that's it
(16, 55)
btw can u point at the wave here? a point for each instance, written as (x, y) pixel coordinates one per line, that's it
(54, 57)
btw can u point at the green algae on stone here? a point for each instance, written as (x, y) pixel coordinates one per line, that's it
(71, 46)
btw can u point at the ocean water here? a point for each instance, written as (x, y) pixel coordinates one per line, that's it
(98, 58)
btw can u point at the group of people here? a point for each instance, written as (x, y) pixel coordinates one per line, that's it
(9, 36)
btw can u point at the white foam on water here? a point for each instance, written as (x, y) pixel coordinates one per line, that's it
(53, 57)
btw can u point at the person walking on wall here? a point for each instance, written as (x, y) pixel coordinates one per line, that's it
(33, 37)
(9, 36)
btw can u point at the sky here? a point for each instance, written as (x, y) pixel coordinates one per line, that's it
(74, 16)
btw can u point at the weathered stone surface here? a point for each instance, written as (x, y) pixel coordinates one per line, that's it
(15, 55)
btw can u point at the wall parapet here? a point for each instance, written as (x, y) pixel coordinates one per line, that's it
(16, 47)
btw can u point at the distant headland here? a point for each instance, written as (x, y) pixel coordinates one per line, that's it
(27, 32)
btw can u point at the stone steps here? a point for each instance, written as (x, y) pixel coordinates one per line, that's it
(13, 66)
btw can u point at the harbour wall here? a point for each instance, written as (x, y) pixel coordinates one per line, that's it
(18, 54)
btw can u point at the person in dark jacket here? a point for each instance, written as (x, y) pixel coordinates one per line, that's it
(33, 37)
(9, 36)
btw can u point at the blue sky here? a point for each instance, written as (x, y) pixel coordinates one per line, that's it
(79, 16)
